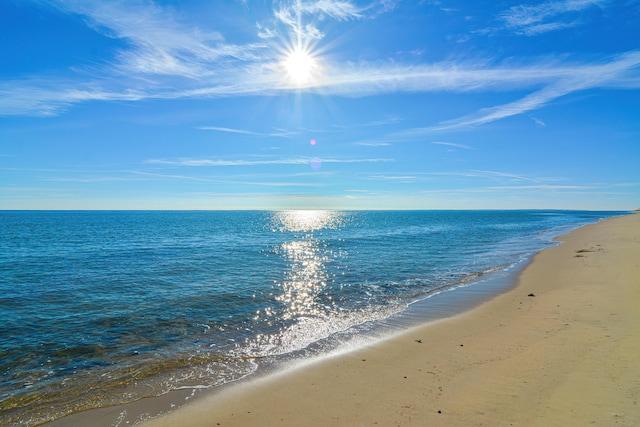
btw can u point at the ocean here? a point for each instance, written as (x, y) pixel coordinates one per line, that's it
(100, 308)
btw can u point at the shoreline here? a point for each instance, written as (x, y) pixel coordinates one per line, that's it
(562, 356)
(318, 387)
(444, 303)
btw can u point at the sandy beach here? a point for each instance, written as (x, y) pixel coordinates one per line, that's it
(560, 349)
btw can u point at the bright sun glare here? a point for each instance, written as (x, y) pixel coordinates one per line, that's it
(300, 66)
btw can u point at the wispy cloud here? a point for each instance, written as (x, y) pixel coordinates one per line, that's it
(387, 5)
(550, 187)
(341, 10)
(623, 69)
(266, 33)
(241, 162)
(405, 179)
(281, 134)
(166, 58)
(531, 20)
(220, 163)
(373, 123)
(292, 14)
(488, 175)
(473, 175)
(51, 96)
(89, 180)
(452, 144)
(159, 43)
(538, 121)
(48, 96)
(373, 144)
(500, 175)
(228, 130)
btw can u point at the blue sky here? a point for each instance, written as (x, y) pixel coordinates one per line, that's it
(379, 104)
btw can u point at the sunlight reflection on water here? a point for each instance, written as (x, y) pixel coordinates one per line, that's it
(306, 278)
(307, 274)
(310, 220)
(307, 311)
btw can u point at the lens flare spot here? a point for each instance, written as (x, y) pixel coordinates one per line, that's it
(312, 142)
(316, 164)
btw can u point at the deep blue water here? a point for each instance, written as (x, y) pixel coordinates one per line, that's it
(99, 308)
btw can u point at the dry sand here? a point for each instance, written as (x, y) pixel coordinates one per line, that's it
(562, 348)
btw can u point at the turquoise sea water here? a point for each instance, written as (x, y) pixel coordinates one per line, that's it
(100, 308)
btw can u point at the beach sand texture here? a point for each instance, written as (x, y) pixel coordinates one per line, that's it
(562, 348)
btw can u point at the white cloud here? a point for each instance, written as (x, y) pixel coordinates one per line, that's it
(373, 123)
(159, 43)
(281, 134)
(293, 13)
(336, 9)
(240, 162)
(545, 187)
(452, 144)
(394, 178)
(535, 19)
(500, 175)
(568, 79)
(373, 144)
(49, 96)
(169, 59)
(487, 174)
(538, 121)
(229, 130)
(266, 33)
(388, 5)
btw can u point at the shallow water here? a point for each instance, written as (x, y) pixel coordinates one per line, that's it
(101, 308)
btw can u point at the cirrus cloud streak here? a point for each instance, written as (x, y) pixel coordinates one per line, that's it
(168, 59)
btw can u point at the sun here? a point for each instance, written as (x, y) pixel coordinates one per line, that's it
(300, 66)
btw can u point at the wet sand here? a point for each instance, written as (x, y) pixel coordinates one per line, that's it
(559, 349)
